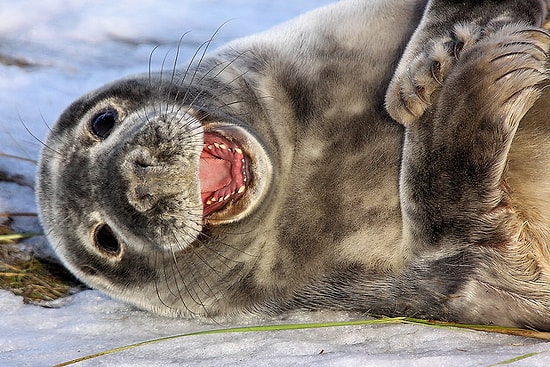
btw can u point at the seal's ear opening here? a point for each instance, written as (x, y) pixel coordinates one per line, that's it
(105, 241)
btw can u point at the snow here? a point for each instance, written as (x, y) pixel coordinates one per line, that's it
(77, 45)
(91, 322)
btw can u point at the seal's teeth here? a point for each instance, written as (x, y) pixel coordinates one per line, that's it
(216, 145)
(241, 189)
(214, 199)
(210, 147)
(226, 196)
(208, 202)
(222, 146)
(238, 150)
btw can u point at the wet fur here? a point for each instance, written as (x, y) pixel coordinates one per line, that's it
(444, 216)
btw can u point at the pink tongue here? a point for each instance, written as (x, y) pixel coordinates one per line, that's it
(214, 173)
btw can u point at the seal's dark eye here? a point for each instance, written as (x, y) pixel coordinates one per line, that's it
(105, 240)
(103, 123)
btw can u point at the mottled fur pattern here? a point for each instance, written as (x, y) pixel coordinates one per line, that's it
(441, 212)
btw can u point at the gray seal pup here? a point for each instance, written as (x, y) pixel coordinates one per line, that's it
(271, 176)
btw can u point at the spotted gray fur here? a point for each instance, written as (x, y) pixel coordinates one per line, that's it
(441, 212)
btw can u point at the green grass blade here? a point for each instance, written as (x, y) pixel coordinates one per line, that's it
(513, 360)
(244, 329)
(486, 328)
(9, 237)
(283, 327)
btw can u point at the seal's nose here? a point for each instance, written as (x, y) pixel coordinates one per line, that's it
(144, 175)
(151, 180)
(160, 165)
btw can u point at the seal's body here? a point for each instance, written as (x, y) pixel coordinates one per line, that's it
(270, 177)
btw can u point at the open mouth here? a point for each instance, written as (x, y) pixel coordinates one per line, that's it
(223, 172)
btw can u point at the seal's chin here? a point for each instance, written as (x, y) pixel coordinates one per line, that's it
(234, 173)
(223, 172)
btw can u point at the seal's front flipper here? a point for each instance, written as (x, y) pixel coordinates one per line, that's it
(452, 184)
(448, 28)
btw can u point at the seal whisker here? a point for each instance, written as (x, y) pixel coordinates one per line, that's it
(176, 58)
(204, 46)
(174, 69)
(174, 282)
(44, 145)
(56, 226)
(209, 265)
(225, 105)
(161, 82)
(208, 74)
(192, 103)
(203, 280)
(224, 260)
(57, 139)
(211, 240)
(159, 293)
(225, 244)
(192, 292)
(149, 64)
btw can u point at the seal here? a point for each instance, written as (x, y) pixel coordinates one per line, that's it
(270, 175)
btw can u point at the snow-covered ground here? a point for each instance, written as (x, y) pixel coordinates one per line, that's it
(76, 45)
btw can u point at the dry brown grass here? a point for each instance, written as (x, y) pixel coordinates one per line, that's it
(36, 280)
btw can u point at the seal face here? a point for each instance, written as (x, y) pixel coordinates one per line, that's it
(150, 177)
(269, 177)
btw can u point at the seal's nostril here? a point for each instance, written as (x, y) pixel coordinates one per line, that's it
(141, 158)
(141, 163)
(139, 170)
(141, 198)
